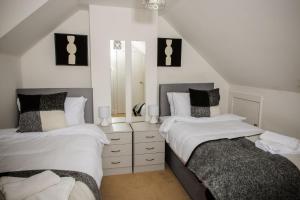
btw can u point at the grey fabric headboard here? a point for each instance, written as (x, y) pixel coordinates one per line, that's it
(164, 106)
(72, 92)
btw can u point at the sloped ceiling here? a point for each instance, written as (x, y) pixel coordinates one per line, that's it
(36, 26)
(249, 42)
(33, 21)
(12, 12)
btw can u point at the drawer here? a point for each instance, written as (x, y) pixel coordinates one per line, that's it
(117, 150)
(151, 136)
(117, 171)
(148, 168)
(149, 159)
(151, 147)
(120, 138)
(117, 162)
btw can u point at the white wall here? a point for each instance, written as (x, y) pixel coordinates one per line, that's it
(38, 68)
(12, 12)
(107, 23)
(194, 68)
(281, 110)
(9, 82)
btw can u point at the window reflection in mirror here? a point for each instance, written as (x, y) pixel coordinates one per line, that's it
(118, 80)
(138, 53)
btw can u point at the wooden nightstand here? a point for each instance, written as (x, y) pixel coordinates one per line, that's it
(117, 156)
(148, 147)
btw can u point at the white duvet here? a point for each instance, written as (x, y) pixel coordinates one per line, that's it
(184, 134)
(76, 148)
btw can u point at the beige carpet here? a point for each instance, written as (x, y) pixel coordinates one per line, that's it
(159, 185)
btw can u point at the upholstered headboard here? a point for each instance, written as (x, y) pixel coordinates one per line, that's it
(72, 92)
(164, 106)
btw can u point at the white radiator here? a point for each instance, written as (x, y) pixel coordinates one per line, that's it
(247, 105)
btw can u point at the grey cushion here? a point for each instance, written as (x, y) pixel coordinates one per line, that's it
(198, 111)
(39, 112)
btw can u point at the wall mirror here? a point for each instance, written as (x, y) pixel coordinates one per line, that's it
(138, 53)
(118, 80)
(127, 80)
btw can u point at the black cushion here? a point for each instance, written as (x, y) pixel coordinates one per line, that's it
(29, 102)
(48, 102)
(199, 98)
(202, 100)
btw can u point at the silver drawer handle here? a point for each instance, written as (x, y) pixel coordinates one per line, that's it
(149, 137)
(152, 148)
(116, 139)
(115, 163)
(150, 159)
(116, 151)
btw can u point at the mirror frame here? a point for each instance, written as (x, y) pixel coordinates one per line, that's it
(128, 84)
(138, 118)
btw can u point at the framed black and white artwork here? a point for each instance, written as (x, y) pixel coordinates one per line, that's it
(169, 52)
(71, 49)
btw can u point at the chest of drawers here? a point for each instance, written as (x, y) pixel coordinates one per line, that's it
(117, 156)
(148, 147)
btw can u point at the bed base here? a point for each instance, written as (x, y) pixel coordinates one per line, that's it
(195, 189)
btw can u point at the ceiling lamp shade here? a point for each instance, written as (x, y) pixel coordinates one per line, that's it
(155, 4)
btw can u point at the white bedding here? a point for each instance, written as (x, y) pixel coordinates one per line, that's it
(76, 148)
(184, 134)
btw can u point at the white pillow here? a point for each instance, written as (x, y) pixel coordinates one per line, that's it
(74, 110)
(170, 99)
(179, 103)
(18, 104)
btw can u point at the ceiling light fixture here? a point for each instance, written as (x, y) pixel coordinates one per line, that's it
(154, 4)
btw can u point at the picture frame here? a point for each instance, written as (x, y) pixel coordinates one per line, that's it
(169, 52)
(71, 49)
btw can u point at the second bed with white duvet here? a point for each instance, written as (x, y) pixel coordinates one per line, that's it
(76, 149)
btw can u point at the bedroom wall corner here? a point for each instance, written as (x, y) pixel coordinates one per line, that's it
(280, 111)
(38, 67)
(9, 82)
(194, 68)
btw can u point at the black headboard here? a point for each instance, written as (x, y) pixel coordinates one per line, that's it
(164, 106)
(72, 92)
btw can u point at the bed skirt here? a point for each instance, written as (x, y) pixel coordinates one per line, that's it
(195, 189)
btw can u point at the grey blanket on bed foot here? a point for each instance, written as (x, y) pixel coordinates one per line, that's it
(237, 170)
(78, 176)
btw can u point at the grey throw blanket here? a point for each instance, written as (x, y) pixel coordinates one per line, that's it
(78, 176)
(237, 170)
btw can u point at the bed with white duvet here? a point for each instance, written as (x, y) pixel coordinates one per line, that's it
(75, 149)
(230, 166)
(184, 134)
